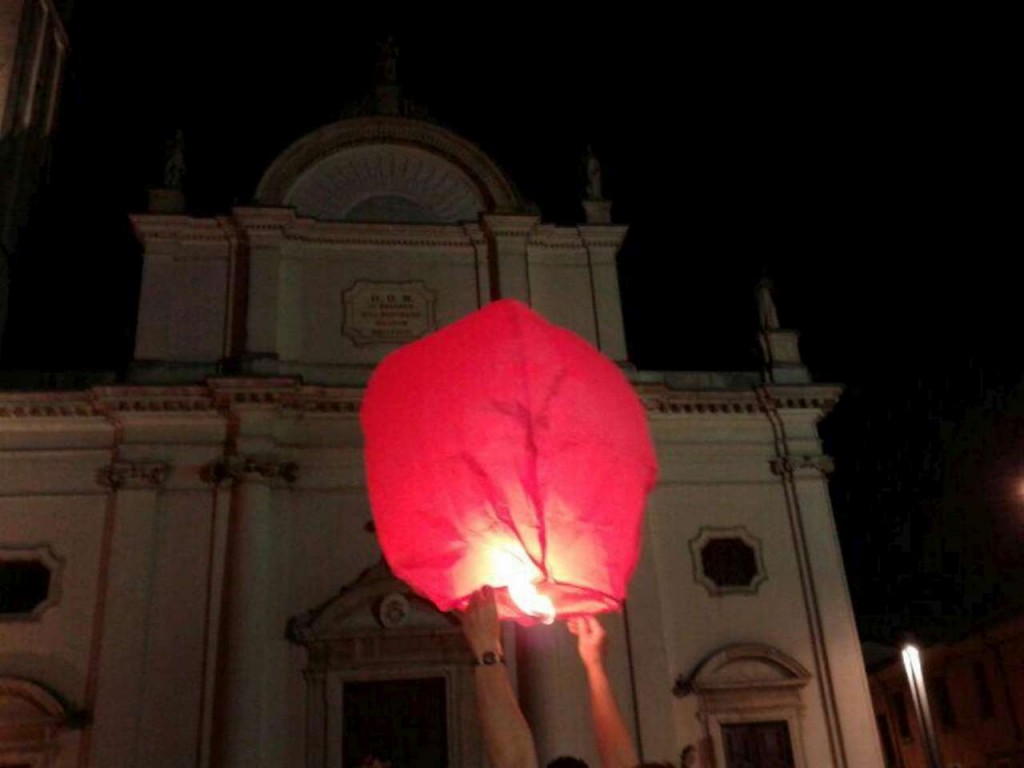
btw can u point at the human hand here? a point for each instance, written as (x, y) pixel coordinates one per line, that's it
(480, 623)
(591, 639)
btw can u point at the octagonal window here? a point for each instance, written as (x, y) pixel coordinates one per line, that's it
(29, 581)
(727, 560)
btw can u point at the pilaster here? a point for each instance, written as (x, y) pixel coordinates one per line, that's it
(509, 267)
(136, 487)
(603, 243)
(251, 697)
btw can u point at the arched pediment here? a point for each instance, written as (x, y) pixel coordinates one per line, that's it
(24, 701)
(373, 635)
(748, 666)
(740, 686)
(386, 169)
(31, 720)
(375, 602)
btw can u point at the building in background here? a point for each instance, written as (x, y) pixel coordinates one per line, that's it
(975, 689)
(190, 573)
(33, 52)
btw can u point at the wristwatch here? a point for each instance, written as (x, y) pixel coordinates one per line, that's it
(488, 659)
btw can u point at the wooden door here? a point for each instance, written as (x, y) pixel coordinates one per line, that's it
(758, 745)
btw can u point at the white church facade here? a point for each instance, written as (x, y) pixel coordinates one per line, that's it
(191, 570)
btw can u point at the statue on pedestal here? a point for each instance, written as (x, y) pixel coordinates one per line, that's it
(174, 162)
(387, 63)
(767, 314)
(593, 175)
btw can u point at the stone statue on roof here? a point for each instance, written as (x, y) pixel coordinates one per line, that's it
(387, 63)
(768, 315)
(174, 162)
(593, 175)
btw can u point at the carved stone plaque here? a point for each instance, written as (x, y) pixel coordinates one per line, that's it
(387, 313)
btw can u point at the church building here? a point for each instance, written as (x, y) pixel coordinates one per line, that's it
(189, 574)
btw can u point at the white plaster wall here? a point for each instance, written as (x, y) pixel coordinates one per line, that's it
(560, 290)
(183, 303)
(312, 281)
(126, 629)
(715, 472)
(55, 649)
(608, 301)
(845, 658)
(324, 540)
(169, 709)
(698, 624)
(327, 547)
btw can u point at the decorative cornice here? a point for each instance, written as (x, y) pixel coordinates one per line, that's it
(224, 395)
(239, 469)
(282, 225)
(218, 396)
(509, 225)
(788, 465)
(151, 228)
(552, 237)
(285, 393)
(692, 402)
(664, 400)
(397, 236)
(343, 401)
(475, 233)
(603, 235)
(229, 393)
(142, 399)
(818, 397)
(45, 405)
(269, 226)
(149, 475)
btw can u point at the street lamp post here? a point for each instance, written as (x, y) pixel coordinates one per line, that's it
(918, 692)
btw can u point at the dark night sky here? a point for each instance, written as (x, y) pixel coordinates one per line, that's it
(862, 162)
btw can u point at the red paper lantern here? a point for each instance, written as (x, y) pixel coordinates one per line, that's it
(505, 451)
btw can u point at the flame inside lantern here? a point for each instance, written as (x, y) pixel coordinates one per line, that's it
(513, 573)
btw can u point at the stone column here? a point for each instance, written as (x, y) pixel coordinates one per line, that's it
(509, 268)
(553, 688)
(249, 715)
(126, 620)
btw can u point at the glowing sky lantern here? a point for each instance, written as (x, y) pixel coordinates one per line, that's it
(506, 451)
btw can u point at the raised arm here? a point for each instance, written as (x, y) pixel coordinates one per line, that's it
(613, 740)
(506, 733)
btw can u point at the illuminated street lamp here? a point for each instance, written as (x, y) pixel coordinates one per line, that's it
(912, 664)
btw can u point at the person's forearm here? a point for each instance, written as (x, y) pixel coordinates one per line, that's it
(508, 738)
(613, 740)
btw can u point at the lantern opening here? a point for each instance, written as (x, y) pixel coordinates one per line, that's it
(514, 573)
(531, 602)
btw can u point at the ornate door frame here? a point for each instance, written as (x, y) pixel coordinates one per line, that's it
(376, 629)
